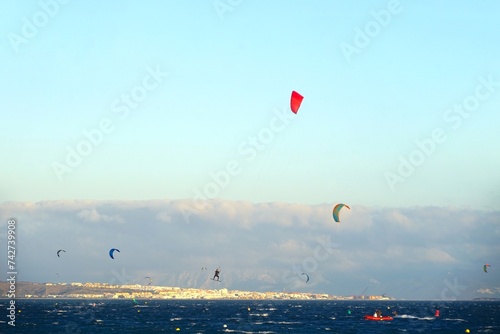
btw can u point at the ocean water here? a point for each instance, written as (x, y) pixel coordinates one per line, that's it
(249, 316)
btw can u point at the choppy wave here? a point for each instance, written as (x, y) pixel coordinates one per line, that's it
(112, 316)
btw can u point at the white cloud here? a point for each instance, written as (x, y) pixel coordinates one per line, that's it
(164, 216)
(92, 215)
(489, 291)
(418, 255)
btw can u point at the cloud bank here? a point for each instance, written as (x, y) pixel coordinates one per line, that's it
(413, 252)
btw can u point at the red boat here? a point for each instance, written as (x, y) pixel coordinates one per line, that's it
(371, 317)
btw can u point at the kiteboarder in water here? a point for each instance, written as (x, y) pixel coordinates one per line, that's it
(217, 271)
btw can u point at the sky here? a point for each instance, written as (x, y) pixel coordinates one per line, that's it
(168, 102)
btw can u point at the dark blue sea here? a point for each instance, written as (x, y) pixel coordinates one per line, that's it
(223, 316)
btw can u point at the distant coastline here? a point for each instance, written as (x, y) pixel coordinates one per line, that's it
(76, 290)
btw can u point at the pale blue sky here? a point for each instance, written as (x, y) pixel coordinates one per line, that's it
(225, 78)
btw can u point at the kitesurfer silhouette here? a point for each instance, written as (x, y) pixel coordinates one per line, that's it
(217, 271)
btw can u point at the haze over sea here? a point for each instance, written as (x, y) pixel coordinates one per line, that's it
(218, 316)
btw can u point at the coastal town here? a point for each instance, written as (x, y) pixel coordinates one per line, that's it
(136, 291)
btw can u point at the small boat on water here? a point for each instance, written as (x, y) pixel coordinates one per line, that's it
(384, 318)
